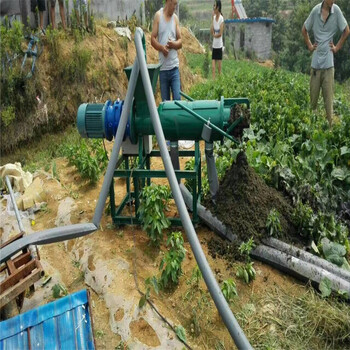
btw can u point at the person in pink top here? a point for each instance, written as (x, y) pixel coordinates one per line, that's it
(217, 30)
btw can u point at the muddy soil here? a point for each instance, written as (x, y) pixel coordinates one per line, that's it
(244, 202)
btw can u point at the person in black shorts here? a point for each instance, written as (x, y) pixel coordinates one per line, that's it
(217, 29)
(40, 5)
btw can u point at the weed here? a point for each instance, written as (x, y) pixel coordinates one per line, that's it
(273, 223)
(220, 345)
(76, 263)
(198, 301)
(44, 208)
(246, 247)
(229, 290)
(206, 62)
(99, 334)
(303, 218)
(120, 234)
(154, 199)
(58, 290)
(122, 346)
(171, 263)
(54, 171)
(8, 115)
(150, 282)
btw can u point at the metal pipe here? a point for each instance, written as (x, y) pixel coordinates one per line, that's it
(53, 235)
(189, 98)
(299, 268)
(117, 144)
(214, 289)
(196, 115)
(212, 172)
(18, 216)
(308, 257)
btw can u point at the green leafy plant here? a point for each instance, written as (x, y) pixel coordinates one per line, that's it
(171, 263)
(246, 272)
(153, 202)
(273, 223)
(88, 157)
(303, 218)
(149, 282)
(58, 290)
(122, 346)
(325, 287)
(335, 253)
(180, 333)
(246, 247)
(100, 334)
(229, 290)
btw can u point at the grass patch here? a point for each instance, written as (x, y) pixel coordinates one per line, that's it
(282, 321)
(41, 152)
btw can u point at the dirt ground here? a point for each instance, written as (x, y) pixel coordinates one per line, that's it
(103, 262)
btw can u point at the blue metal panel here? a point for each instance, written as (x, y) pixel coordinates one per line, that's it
(251, 20)
(37, 337)
(49, 327)
(63, 324)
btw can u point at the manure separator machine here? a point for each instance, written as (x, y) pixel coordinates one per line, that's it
(180, 120)
(131, 122)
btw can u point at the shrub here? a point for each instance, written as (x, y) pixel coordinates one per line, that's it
(88, 157)
(171, 263)
(154, 199)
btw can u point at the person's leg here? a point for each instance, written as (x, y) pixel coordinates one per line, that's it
(213, 68)
(76, 11)
(328, 92)
(219, 66)
(77, 16)
(41, 16)
(62, 14)
(175, 83)
(315, 84)
(84, 9)
(33, 8)
(164, 85)
(52, 13)
(41, 8)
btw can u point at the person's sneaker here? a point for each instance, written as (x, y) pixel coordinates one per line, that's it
(42, 32)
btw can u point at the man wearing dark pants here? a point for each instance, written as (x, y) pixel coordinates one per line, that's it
(324, 21)
(166, 39)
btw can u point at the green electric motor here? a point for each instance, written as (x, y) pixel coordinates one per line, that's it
(181, 120)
